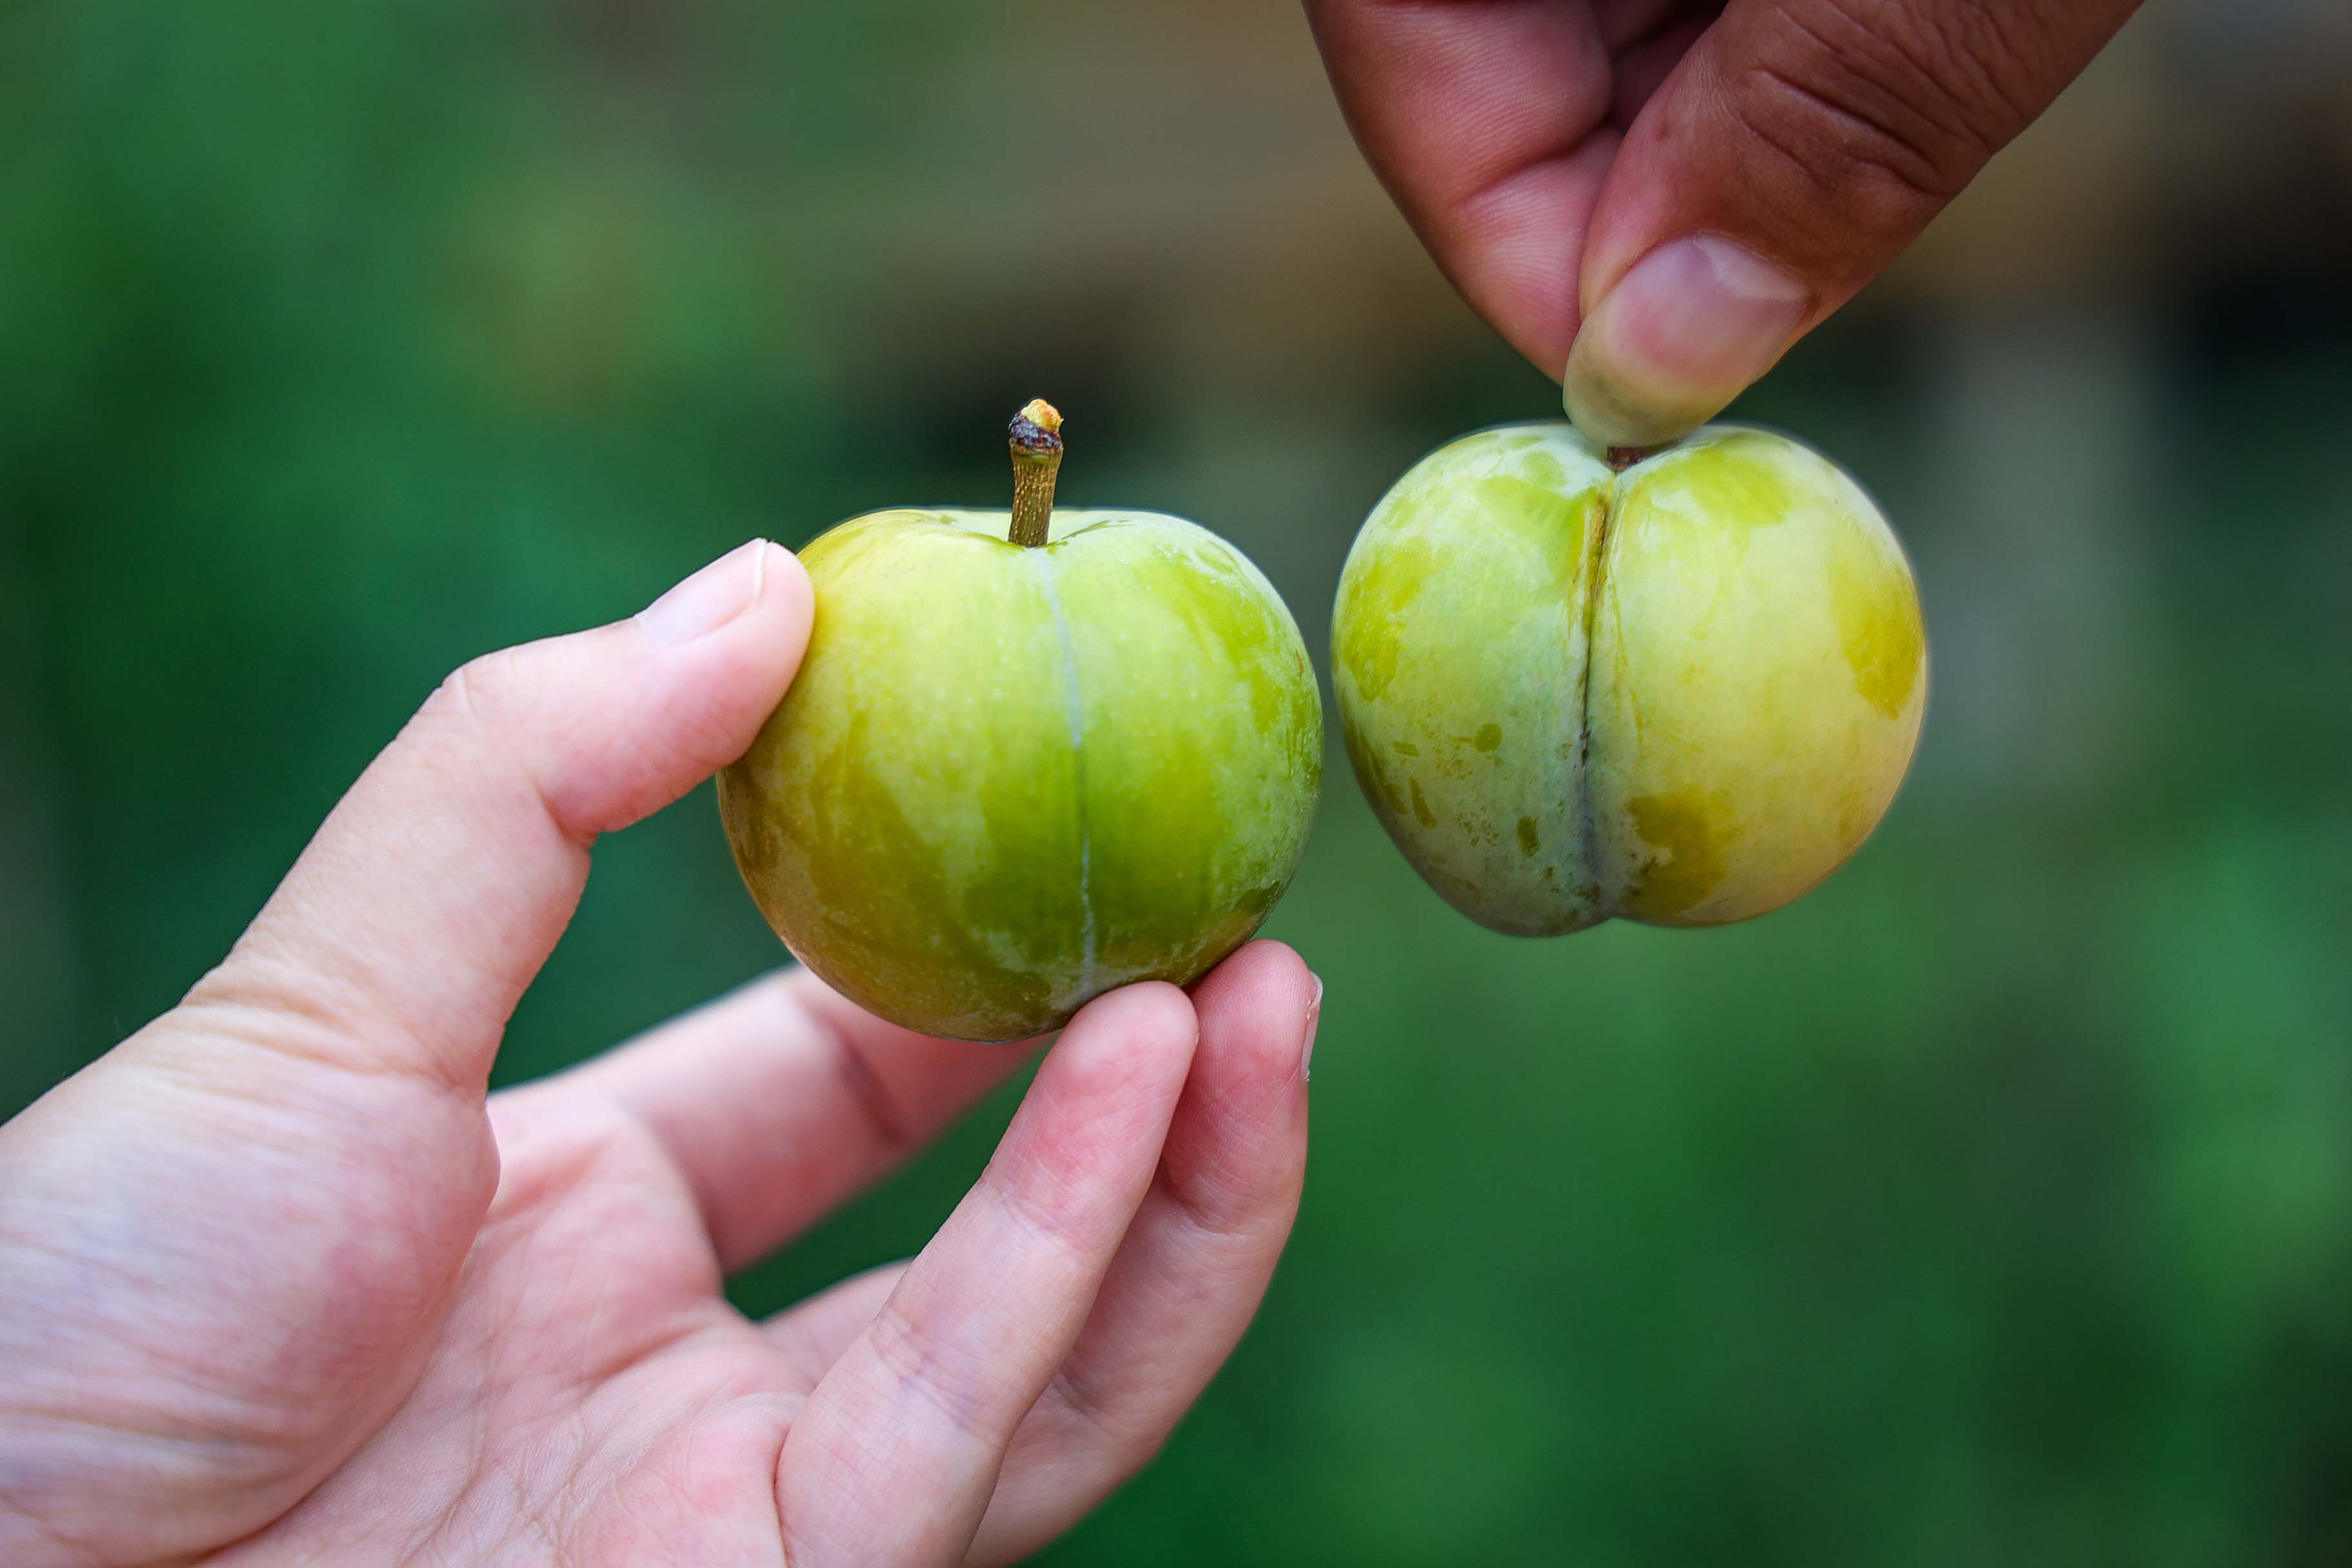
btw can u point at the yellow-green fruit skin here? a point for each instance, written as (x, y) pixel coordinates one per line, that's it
(1682, 694)
(1007, 780)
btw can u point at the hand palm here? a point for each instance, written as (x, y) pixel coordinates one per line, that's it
(608, 1404)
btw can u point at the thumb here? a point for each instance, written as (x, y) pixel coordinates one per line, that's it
(1793, 153)
(221, 1248)
(436, 887)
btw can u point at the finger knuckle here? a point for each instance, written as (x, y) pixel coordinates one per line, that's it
(1866, 173)
(707, 738)
(1227, 1196)
(909, 1360)
(1054, 1212)
(1123, 1434)
(1889, 102)
(480, 716)
(476, 692)
(1966, 65)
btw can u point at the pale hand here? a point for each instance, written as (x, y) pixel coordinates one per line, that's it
(279, 1283)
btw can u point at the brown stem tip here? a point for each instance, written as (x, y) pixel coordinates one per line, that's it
(1038, 426)
(1036, 438)
(1623, 457)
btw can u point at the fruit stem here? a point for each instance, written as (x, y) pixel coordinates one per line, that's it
(1623, 457)
(1036, 457)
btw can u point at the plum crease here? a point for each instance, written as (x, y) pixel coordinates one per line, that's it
(1594, 578)
(1075, 708)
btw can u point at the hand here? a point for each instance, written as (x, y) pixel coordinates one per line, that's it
(1663, 195)
(276, 1282)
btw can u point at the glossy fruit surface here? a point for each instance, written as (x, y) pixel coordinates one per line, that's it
(1009, 779)
(1681, 694)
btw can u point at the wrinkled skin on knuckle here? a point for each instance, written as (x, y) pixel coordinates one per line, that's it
(1877, 168)
(471, 697)
(1953, 81)
(480, 724)
(1877, 114)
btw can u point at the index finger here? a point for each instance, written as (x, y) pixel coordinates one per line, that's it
(1487, 120)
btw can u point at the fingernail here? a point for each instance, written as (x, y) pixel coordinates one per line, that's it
(710, 598)
(1678, 338)
(1314, 1022)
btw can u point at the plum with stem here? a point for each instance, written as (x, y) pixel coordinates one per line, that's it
(1031, 755)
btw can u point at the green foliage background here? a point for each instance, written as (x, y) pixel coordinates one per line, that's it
(1993, 1205)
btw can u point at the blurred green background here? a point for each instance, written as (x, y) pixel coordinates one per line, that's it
(1993, 1205)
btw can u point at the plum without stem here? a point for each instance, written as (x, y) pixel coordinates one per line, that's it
(1030, 756)
(1578, 685)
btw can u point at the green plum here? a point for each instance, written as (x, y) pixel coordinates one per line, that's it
(1030, 756)
(1578, 685)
